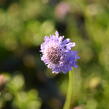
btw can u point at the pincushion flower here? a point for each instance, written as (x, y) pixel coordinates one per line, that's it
(57, 54)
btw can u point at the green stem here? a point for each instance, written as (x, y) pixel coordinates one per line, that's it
(68, 101)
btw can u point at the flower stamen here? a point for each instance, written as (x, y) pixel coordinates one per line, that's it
(54, 55)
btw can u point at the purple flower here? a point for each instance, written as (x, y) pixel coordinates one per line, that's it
(57, 53)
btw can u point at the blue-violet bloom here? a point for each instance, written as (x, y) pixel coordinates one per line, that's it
(57, 53)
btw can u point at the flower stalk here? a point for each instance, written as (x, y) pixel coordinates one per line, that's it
(68, 101)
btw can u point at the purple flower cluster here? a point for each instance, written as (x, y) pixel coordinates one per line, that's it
(57, 53)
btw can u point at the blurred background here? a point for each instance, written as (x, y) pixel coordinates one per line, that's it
(25, 82)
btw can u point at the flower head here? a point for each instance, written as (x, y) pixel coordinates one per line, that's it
(57, 53)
